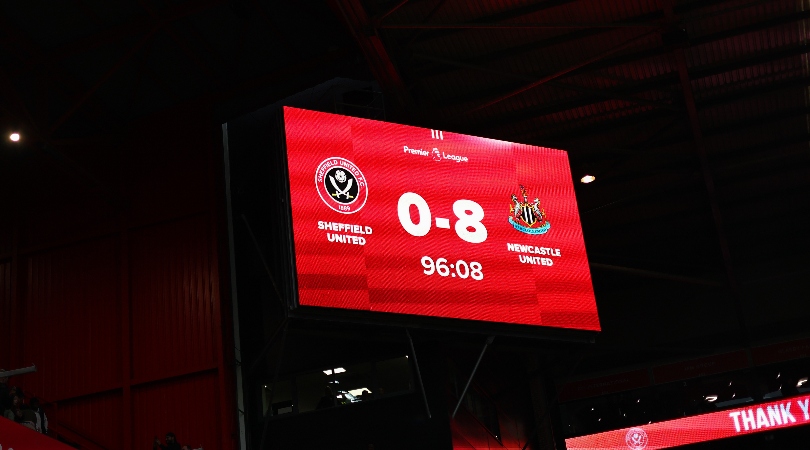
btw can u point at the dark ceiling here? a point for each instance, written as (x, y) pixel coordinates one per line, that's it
(692, 115)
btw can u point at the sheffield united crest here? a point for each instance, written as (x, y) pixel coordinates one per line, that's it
(636, 439)
(528, 217)
(341, 185)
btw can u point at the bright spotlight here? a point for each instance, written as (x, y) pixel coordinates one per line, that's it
(15, 137)
(587, 179)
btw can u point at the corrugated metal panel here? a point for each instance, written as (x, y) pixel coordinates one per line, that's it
(6, 235)
(97, 417)
(728, 15)
(752, 108)
(172, 298)
(71, 319)
(188, 407)
(5, 314)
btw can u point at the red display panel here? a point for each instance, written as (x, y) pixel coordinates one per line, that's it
(705, 427)
(400, 219)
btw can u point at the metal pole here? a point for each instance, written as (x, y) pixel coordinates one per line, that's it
(475, 369)
(418, 373)
(240, 393)
(267, 347)
(23, 371)
(264, 261)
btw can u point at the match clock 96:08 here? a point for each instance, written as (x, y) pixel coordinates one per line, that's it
(460, 268)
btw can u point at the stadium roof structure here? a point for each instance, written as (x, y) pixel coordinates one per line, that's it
(692, 115)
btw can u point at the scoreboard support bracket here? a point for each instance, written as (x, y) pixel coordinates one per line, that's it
(475, 369)
(418, 373)
(266, 266)
(269, 412)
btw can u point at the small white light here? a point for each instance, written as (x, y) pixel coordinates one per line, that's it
(587, 179)
(340, 370)
(801, 382)
(327, 372)
(15, 137)
(711, 398)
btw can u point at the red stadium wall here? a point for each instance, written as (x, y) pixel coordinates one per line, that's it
(504, 382)
(114, 292)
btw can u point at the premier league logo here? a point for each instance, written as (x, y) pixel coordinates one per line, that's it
(341, 185)
(636, 439)
(527, 217)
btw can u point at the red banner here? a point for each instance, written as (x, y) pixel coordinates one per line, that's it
(400, 219)
(699, 367)
(783, 351)
(14, 436)
(608, 384)
(705, 427)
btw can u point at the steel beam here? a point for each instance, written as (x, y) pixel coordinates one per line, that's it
(427, 18)
(514, 14)
(728, 98)
(418, 374)
(281, 303)
(475, 369)
(657, 275)
(273, 27)
(679, 55)
(143, 68)
(100, 82)
(378, 20)
(513, 26)
(649, 53)
(269, 413)
(166, 26)
(116, 33)
(595, 92)
(562, 72)
(660, 83)
(352, 13)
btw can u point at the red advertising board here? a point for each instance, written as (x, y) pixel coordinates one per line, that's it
(607, 384)
(750, 419)
(400, 219)
(700, 367)
(782, 351)
(15, 436)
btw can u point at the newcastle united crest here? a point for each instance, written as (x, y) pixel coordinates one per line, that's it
(527, 217)
(341, 185)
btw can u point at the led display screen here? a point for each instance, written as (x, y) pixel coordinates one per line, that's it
(400, 219)
(701, 428)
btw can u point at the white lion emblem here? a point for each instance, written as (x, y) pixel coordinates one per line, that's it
(340, 176)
